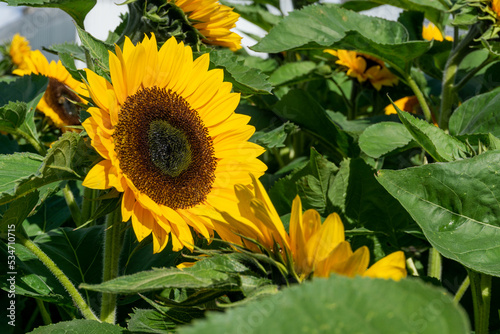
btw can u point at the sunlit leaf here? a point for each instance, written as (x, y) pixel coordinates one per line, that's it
(456, 205)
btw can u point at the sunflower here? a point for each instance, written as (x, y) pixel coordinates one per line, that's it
(364, 67)
(62, 91)
(316, 248)
(407, 103)
(19, 50)
(170, 140)
(495, 5)
(213, 20)
(430, 32)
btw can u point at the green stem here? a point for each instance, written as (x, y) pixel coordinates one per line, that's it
(435, 265)
(411, 267)
(35, 143)
(113, 240)
(43, 311)
(461, 290)
(449, 74)
(481, 297)
(72, 205)
(88, 204)
(61, 277)
(420, 97)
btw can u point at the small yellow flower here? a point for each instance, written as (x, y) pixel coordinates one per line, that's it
(62, 89)
(213, 20)
(316, 248)
(364, 67)
(430, 32)
(170, 140)
(407, 103)
(19, 50)
(495, 5)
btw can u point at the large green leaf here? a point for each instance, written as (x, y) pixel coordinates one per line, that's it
(478, 114)
(213, 272)
(441, 146)
(258, 14)
(18, 211)
(321, 27)
(385, 137)
(245, 79)
(77, 9)
(343, 305)
(291, 71)
(80, 326)
(300, 108)
(23, 173)
(456, 205)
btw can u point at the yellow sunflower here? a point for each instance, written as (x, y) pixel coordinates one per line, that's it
(495, 5)
(407, 103)
(213, 20)
(430, 32)
(316, 248)
(19, 50)
(170, 140)
(56, 103)
(364, 67)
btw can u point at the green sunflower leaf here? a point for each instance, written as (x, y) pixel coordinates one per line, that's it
(18, 211)
(303, 110)
(313, 183)
(23, 173)
(331, 27)
(478, 114)
(383, 138)
(291, 71)
(245, 79)
(343, 305)
(441, 146)
(149, 321)
(257, 14)
(456, 205)
(97, 49)
(80, 326)
(77, 9)
(216, 273)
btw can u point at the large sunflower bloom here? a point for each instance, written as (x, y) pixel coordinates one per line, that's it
(364, 67)
(315, 248)
(170, 140)
(213, 20)
(430, 32)
(56, 103)
(19, 50)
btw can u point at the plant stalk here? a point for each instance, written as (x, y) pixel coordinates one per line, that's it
(43, 311)
(420, 97)
(61, 277)
(76, 214)
(88, 204)
(481, 298)
(435, 264)
(113, 240)
(461, 290)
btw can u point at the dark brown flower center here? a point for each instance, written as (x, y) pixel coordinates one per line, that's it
(164, 148)
(59, 96)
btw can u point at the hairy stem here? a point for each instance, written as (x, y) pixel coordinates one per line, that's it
(435, 265)
(461, 290)
(113, 240)
(61, 277)
(76, 214)
(420, 97)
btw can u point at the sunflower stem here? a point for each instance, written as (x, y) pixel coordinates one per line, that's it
(43, 311)
(61, 277)
(420, 97)
(450, 72)
(35, 143)
(435, 265)
(481, 297)
(76, 214)
(88, 205)
(461, 290)
(113, 240)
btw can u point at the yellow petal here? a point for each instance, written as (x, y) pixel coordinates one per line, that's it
(142, 221)
(128, 202)
(392, 266)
